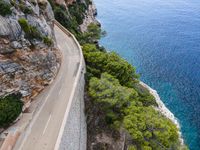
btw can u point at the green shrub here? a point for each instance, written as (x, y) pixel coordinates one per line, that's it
(68, 21)
(62, 16)
(48, 41)
(144, 95)
(13, 3)
(5, 8)
(112, 97)
(24, 25)
(25, 9)
(93, 34)
(77, 10)
(110, 117)
(131, 147)
(88, 48)
(71, 18)
(31, 32)
(34, 33)
(10, 108)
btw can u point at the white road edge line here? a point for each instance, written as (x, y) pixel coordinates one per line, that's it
(46, 125)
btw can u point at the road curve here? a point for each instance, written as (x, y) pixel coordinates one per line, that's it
(45, 130)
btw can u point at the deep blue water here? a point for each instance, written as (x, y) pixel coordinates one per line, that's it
(162, 39)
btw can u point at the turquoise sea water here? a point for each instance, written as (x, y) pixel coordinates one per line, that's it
(162, 39)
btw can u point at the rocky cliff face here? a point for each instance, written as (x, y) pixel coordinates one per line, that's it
(90, 17)
(77, 12)
(27, 64)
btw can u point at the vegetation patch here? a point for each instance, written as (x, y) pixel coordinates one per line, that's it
(101, 61)
(22, 6)
(47, 40)
(77, 10)
(62, 16)
(5, 8)
(71, 18)
(25, 9)
(31, 32)
(10, 109)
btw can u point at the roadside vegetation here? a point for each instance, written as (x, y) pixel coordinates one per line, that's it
(10, 109)
(73, 17)
(31, 32)
(5, 8)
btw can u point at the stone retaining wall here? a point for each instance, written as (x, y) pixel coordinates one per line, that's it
(75, 134)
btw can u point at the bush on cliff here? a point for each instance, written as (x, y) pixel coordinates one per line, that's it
(24, 25)
(25, 9)
(47, 40)
(93, 34)
(77, 10)
(5, 8)
(10, 108)
(62, 16)
(31, 32)
(112, 97)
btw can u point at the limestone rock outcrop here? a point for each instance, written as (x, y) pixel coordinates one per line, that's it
(90, 17)
(27, 65)
(10, 28)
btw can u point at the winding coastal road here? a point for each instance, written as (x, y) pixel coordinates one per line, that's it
(44, 129)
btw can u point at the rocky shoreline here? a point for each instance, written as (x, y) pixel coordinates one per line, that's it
(163, 109)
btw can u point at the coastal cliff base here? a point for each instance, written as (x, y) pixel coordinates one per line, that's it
(100, 136)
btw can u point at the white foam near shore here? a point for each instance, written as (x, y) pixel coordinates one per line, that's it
(163, 109)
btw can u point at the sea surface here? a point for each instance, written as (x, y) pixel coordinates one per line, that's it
(162, 39)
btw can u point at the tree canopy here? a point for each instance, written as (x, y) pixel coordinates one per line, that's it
(99, 62)
(151, 129)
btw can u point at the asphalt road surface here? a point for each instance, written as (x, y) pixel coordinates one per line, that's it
(43, 130)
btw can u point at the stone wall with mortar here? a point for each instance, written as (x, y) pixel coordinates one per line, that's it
(75, 132)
